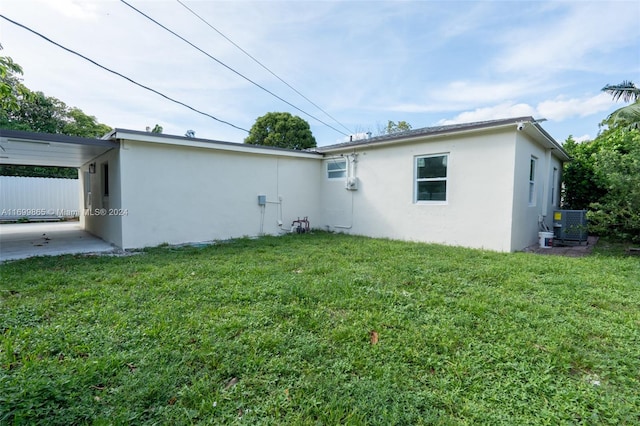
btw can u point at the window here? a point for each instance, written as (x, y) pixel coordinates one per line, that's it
(532, 181)
(105, 179)
(337, 168)
(431, 178)
(554, 188)
(87, 190)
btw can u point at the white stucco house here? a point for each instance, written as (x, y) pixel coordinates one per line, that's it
(481, 185)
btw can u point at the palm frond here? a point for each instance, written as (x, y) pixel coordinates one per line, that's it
(627, 116)
(626, 91)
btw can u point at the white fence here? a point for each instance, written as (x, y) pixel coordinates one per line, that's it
(35, 197)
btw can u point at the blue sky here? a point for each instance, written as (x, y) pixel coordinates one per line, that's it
(363, 62)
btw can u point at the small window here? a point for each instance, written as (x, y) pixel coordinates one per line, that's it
(431, 178)
(105, 179)
(532, 181)
(337, 169)
(87, 190)
(554, 188)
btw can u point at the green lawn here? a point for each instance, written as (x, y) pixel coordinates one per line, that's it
(277, 331)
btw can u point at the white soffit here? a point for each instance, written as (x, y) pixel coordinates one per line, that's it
(44, 149)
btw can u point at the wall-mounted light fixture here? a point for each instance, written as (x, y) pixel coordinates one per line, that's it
(92, 168)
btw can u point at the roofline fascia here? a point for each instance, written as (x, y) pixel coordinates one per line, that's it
(149, 137)
(8, 134)
(412, 138)
(555, 144)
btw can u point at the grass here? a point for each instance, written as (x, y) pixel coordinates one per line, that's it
(277, 331)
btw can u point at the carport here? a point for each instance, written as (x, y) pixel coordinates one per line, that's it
(22, 240)
(43, 149)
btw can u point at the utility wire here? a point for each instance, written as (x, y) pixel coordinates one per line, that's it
(121, 75)
(263, 66)
(229, 68)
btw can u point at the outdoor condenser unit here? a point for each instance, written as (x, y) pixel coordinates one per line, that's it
(570, 226)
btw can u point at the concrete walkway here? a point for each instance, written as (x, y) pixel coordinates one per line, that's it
(22, 240)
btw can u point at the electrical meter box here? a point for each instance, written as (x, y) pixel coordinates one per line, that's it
(570, 227)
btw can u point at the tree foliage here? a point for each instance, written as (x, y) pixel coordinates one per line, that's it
(392, 127)
(400, 126)
(283, 130)
(23, 109)
(604, 178)
(617, 169)
(604, 175)
(10, 86)
(629, 115)
(580, 188)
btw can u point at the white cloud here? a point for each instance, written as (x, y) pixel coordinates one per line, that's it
(479, 92)
(502, 110)
(75, 9)
(582, 138)
(561, 109)
(575, 40)
(557, 110)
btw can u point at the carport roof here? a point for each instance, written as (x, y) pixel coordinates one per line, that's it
(44, 149)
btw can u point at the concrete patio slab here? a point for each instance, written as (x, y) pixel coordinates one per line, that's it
(580, 250)
(23, 240)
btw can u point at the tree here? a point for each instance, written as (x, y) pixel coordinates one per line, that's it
(283, 130)
(400, 126)
(156, 129)
(10, 86)
(77, 123)
(392, 127)
(23, 109)
(580, 188)
(627, 116)
(616, 164)
(604, 178)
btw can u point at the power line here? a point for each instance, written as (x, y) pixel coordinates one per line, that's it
(120, 75)
(262, 65)
(231, 69)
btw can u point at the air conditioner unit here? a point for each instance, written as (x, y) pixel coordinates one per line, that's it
(570, 227)
(352, 183)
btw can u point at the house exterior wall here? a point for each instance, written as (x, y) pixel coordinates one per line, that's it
(480, 184)
(102, 214)
(178, 194)
(527, 217)
(175, 190)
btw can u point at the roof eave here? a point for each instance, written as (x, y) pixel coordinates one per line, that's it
(140, 136)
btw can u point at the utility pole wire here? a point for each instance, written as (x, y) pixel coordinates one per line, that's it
(229, 68)
(121, 75)
(262, 65)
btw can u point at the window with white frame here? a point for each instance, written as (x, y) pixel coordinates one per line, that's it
(532, 181)
(337, 168)
(431, 178)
